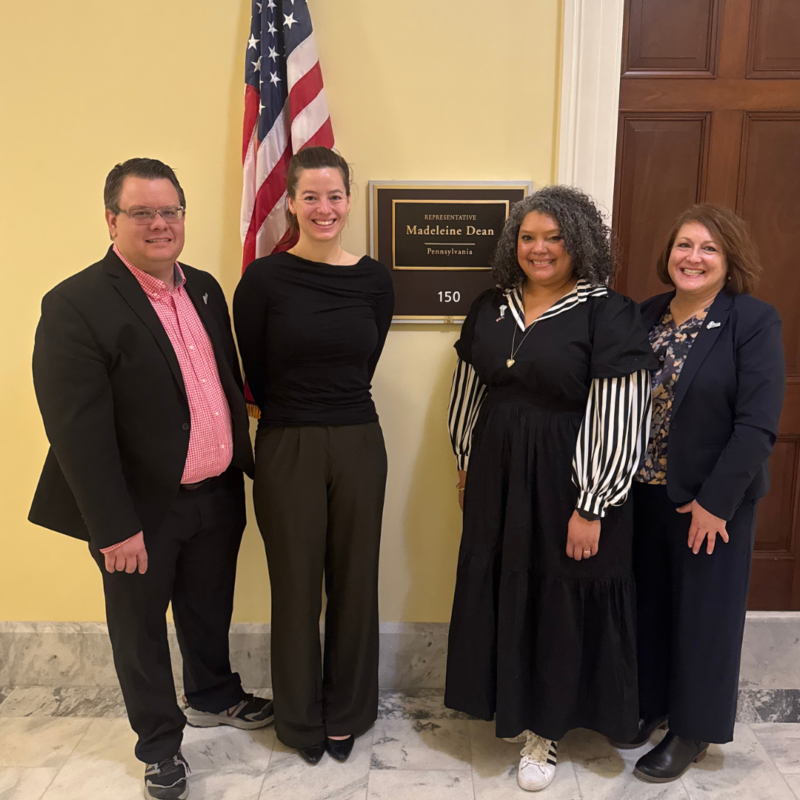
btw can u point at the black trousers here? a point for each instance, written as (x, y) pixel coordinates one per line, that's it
(691, 612)
(319, 501)
(191, 562)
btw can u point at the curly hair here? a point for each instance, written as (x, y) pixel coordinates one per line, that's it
(587, 238)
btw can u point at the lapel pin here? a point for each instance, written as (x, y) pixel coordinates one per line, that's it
(713, 325)
(502, 313)
(205, 299)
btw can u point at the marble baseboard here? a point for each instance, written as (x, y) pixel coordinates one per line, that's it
(63, 654)
(771, 650)
(412, 659)
(79, 654)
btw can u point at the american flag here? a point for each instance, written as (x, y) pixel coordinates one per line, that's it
(285, 110)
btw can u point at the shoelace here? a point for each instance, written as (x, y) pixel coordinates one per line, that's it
(173, 761)
(536, 748)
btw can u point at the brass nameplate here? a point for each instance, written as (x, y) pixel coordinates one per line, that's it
(437, 240)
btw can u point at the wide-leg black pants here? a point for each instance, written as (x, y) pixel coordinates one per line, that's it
(192, 563)
(691, 613)
(318, 495)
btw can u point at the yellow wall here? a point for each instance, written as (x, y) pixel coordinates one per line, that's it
(445, 90)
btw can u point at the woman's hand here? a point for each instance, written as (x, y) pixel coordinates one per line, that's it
(583, 537)
(704, 523)
(462, 482)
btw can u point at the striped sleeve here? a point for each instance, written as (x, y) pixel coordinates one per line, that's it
(467, 394)
(612, 440)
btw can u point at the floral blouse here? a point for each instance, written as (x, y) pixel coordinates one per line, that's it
(671, 344)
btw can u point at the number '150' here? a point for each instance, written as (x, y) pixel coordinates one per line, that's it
(449, 297)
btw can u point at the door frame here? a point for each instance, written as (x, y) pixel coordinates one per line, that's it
(591, 64)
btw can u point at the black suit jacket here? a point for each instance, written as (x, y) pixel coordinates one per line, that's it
(114, 405)
(727, 404)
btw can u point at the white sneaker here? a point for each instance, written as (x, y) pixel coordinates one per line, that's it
(520, 738)
(537, 765)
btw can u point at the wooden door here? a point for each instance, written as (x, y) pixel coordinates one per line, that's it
(710, 112)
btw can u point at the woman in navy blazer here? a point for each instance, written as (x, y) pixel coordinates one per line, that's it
(716, 404)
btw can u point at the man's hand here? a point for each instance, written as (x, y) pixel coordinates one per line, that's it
(704, 523)
(583, 537)
(128, 557)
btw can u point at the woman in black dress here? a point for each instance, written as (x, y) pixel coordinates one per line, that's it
(311, 324)
(717, 400)
(550, 410)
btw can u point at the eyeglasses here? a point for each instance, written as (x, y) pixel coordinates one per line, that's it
(145, 215)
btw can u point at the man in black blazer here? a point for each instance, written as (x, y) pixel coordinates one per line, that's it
(138, 383)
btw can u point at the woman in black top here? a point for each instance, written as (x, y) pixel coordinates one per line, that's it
(716, 404)
(548, 416)
(311, 324)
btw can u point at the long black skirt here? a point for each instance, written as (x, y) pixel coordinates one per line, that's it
(538, 640)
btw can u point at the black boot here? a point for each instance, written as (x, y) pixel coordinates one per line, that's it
(669, 759)
(646, 728)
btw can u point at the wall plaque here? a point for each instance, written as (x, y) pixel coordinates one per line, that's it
(437, 240)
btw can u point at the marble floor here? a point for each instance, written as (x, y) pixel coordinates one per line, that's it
(75, 744)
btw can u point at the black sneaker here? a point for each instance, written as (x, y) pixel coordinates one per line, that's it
(167, 779)
(248, 714)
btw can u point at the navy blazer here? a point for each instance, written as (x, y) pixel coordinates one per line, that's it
(727, 404)
(114, 405)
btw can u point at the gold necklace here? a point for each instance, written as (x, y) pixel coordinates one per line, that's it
(512, 359)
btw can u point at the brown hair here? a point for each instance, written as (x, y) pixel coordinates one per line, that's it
(733, 236)
(148, 168)
(312, 158)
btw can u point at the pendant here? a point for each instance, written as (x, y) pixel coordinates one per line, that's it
(509, 362)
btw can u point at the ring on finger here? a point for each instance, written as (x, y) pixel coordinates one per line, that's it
(587, 553)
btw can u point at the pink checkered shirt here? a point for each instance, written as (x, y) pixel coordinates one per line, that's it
(211, 437)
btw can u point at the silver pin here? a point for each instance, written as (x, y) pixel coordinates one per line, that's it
(205, 298)
(713, 325)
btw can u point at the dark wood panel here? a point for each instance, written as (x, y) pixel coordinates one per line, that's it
(771, 582)
(691, 95)
(735, 35)
(747, 157)
(769, 199)
(665, 38)
(774, 50)
(777, 510)
(660, 172)
(791, 408)
(724, 155)
(770, 202)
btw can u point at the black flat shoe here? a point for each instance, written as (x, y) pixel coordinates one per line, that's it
(670, 758)
(646, 729)
(312, 754)
(340, 749)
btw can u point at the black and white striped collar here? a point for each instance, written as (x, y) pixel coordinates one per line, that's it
(580, 294)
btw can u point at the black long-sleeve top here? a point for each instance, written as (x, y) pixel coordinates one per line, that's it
(310, 335)
(616, 423)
